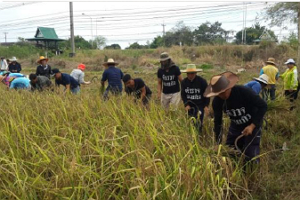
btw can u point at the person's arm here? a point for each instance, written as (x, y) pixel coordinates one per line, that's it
(19, 68)
(218, 118)
(261, 106)
(37, 71)
(104, 78)
(159, 88)
(143, 93)
(5, 65)
(183, 94)
(277, 76)
(261, 72)
(68, 88)
(205, 99)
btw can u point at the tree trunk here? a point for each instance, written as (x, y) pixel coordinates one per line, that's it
(298, 57)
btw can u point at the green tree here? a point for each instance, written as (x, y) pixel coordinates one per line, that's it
(80, 42)
(113, 46)
(253, 33)
(157, 42)
(282, 12)
(208, 33)
(98, 42)
(136, 45)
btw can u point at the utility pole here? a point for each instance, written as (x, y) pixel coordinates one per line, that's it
(163, 25)
(243, 25)
(5, 33)
(245, 35)
(72, 30)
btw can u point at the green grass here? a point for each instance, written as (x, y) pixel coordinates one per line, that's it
(79, 147)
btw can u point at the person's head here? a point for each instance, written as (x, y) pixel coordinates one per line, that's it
(33, 78)
(13, 60)
(2, 58)
(220, 85)
(271, 61)
(263, 80)
(81, 67)
(290, 63)
(191, 75)
(43, 60)
(57, 74)
(110, 63)
(128, 81)
(165, 60)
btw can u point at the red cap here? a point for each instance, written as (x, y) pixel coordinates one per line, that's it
(81, 66)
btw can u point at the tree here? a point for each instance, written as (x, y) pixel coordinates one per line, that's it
(281, 12)
(99, 42)
(80, 42)
(208, 33)
(137, 46)
(253, 33)
(113, 46)
(157, 42)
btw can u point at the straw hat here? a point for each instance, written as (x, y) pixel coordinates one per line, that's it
(290, 61)
(263, 79)
(271, 61)
(13, 59)
(42, 58)
(110, 61)
(191, 68)
(220, 83)
(164, 56)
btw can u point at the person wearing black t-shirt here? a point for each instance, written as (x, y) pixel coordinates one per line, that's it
(138, 88)
(192, 90)
(245, 109)
(43, 69)
(169, 78)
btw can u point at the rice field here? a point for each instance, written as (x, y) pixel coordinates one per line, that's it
(54, 146)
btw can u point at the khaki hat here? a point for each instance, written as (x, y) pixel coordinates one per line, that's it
(110, 61)
(191, 68)
(164, 56)
(263, 79)
(42, 58)
(271, 61)
(220, 83)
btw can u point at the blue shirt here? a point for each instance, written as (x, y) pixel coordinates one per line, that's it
(114, 76)
(20, 83)
(254, 85)
(66, 79)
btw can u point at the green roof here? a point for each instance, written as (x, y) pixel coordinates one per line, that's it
(44, 33)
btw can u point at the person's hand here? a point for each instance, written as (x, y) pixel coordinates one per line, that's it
(248, 130)
(187, 108)
(159, 95)
(206, 111)
(89, 82)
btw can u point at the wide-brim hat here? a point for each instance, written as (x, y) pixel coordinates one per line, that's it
(164, 56)
(290, 61)
(13, 59)
(271, 61)
(42, 58)
(191, 68)
(220, 83)
(110, 61)
(263, 79)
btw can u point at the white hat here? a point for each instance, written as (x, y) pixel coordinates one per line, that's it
(13, 59)
(110, 61)
(263, 79)
(290, 61)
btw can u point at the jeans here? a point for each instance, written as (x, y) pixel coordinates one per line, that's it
(75, 90)
(115, 91)
(199, 116)
(249, 145)
(269, 92)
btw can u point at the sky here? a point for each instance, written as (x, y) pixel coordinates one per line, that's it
(126, 22)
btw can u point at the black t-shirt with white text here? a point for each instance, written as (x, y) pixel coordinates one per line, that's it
(192, 92)
(169, 79)
(243, 107)
(137, 90)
